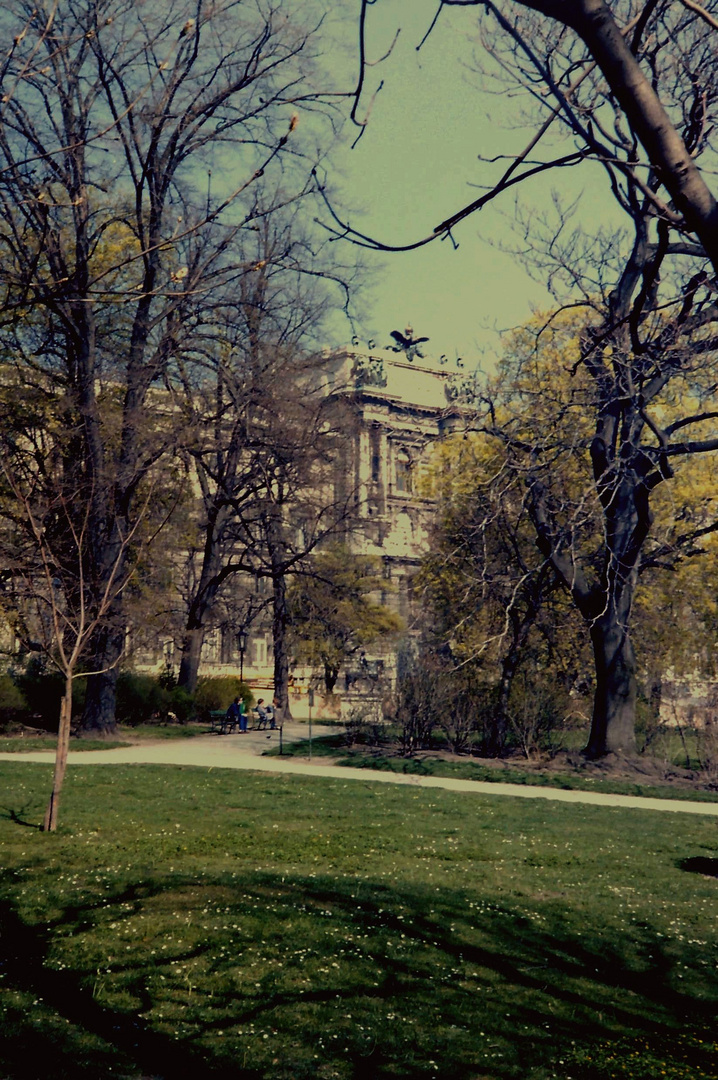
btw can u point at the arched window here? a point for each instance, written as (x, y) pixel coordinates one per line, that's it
(404, 478)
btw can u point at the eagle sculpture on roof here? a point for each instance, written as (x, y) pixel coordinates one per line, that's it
(407, 343)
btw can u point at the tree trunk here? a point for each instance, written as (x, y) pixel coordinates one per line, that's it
(614, 707)
(649, 120)
(279, 635)
(200, 607)
(594, 22)
(331, 674)
(191, 655)
(101, 698)
(63, 743)
(521, 626)
(496, 743)
(100, 703)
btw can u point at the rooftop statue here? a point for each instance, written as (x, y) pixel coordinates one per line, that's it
(407, 343)
(461, 389)
(369, 371)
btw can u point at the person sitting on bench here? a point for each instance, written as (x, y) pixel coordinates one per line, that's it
(262, 714)
(233, 716)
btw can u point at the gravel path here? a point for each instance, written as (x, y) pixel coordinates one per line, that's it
(244, 752)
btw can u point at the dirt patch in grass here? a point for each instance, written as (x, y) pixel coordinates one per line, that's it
(639, 769)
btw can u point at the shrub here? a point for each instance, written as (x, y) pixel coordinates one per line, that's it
(463, 704)
(13, 704)
(219, 691)
(418, 706)
(364, 724)
(458, 718)
(142, 699)
(138, 698)
(180, 703)
(43, 690)
(537, 707)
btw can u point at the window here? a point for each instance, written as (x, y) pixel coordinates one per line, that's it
(304, 527)
(375, 466)
(376, 454)
(386, 575)
(403, 599)
(260, 651)
(227, 645)
(404, 478)
(211, 647)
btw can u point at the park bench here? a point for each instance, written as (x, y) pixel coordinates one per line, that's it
(220, 723)
(262, 723)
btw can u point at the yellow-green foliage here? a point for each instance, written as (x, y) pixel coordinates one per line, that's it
(335, 611)
(539, 427)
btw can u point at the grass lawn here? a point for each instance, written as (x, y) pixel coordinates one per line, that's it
(142, 732)
(14, 744)
(217, 924)
(17, 744)
(362, 757)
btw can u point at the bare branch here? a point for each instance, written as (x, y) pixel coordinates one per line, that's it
(699, 10)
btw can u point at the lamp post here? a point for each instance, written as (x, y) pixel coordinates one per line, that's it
(241, 645)
(310, 699)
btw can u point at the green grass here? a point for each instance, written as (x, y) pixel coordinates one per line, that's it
(141, 732)
(17, 744)
(216, 924)
(361, 757)
(14, 744)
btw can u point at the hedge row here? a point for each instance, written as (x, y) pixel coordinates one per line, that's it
(33, 698)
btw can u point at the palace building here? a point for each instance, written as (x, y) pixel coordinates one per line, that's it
(392, 404)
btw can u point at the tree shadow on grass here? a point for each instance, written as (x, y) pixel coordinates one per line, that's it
(558, 984)
(90, 1041)
(700, 864)
(429, 968)
(14, 815)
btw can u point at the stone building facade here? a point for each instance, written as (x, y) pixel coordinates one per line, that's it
(399, 405)
(395, 403)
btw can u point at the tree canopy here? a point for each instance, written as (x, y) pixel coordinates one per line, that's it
(333, 613)
(133, 139)
(522, 523)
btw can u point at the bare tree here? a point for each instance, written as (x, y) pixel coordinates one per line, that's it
(632, 87)
(131, 137)
(268, 441)
(262, 354)
(304, 500)
(44, 541)
(556, 54)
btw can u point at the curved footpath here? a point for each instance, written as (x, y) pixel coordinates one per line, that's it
(244, 752)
